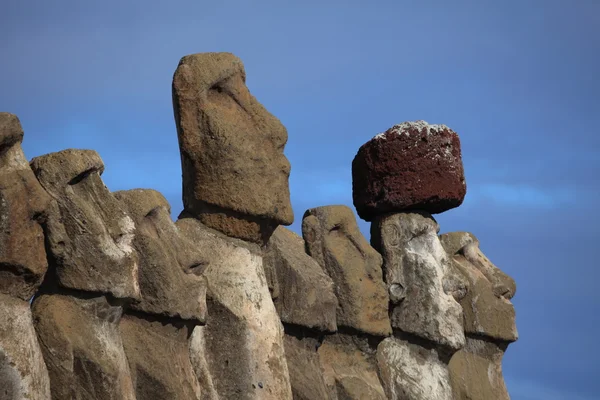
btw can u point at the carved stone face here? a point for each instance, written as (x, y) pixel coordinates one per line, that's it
(23, 204)
(418, 275)
(487, 307)
(170, 265)
(89, 234)
(235, 175)
(334, 240)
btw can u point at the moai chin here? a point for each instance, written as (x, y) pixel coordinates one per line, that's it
(235, 175)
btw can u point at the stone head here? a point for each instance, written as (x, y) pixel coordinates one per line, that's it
(235, 175)
(89, 233)
(170, 265)
(333, 239)
(486, 306)
(420, 282)
(23, 208)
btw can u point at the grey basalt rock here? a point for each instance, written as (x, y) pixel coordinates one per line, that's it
(23, 373)
(89, 234)
(304, 294)
(235, 175)
(417, 274)
(82, 347)
(334, 241)
(23, 210)
(242, 342)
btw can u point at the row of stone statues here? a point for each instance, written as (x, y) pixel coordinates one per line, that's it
(103, 296)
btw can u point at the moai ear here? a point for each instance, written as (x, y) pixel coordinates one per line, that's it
(313, 238)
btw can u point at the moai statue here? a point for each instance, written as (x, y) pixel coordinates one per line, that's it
(156, 330)
(306, 303)
(348, 359)
(93, 271)
(235, 194)
(23, 264)
(400, 177)
(333, 239)
(476, 370)
(235, 175)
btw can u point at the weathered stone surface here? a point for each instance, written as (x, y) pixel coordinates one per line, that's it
(304, 294)
(411, 166)
(23, 374)
(487, 308)
(350, 368)
(306, 373)
(333, 239)
(476, 371)
(170, 265)
(197, 352)
(243, 338)
(23, 206)
(82, 347)
(159, 360)
(89, 234)
(411, 372)
(416, 269)
(235, 175)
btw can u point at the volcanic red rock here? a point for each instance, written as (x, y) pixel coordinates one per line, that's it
(411, 166)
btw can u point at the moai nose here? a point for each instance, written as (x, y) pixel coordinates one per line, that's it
(503, 290)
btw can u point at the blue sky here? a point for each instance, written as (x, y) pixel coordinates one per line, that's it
(518, 80)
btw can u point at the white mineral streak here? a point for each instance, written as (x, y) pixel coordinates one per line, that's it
(404, 127)
(119, 249)
(409, 372)
(125, 241)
